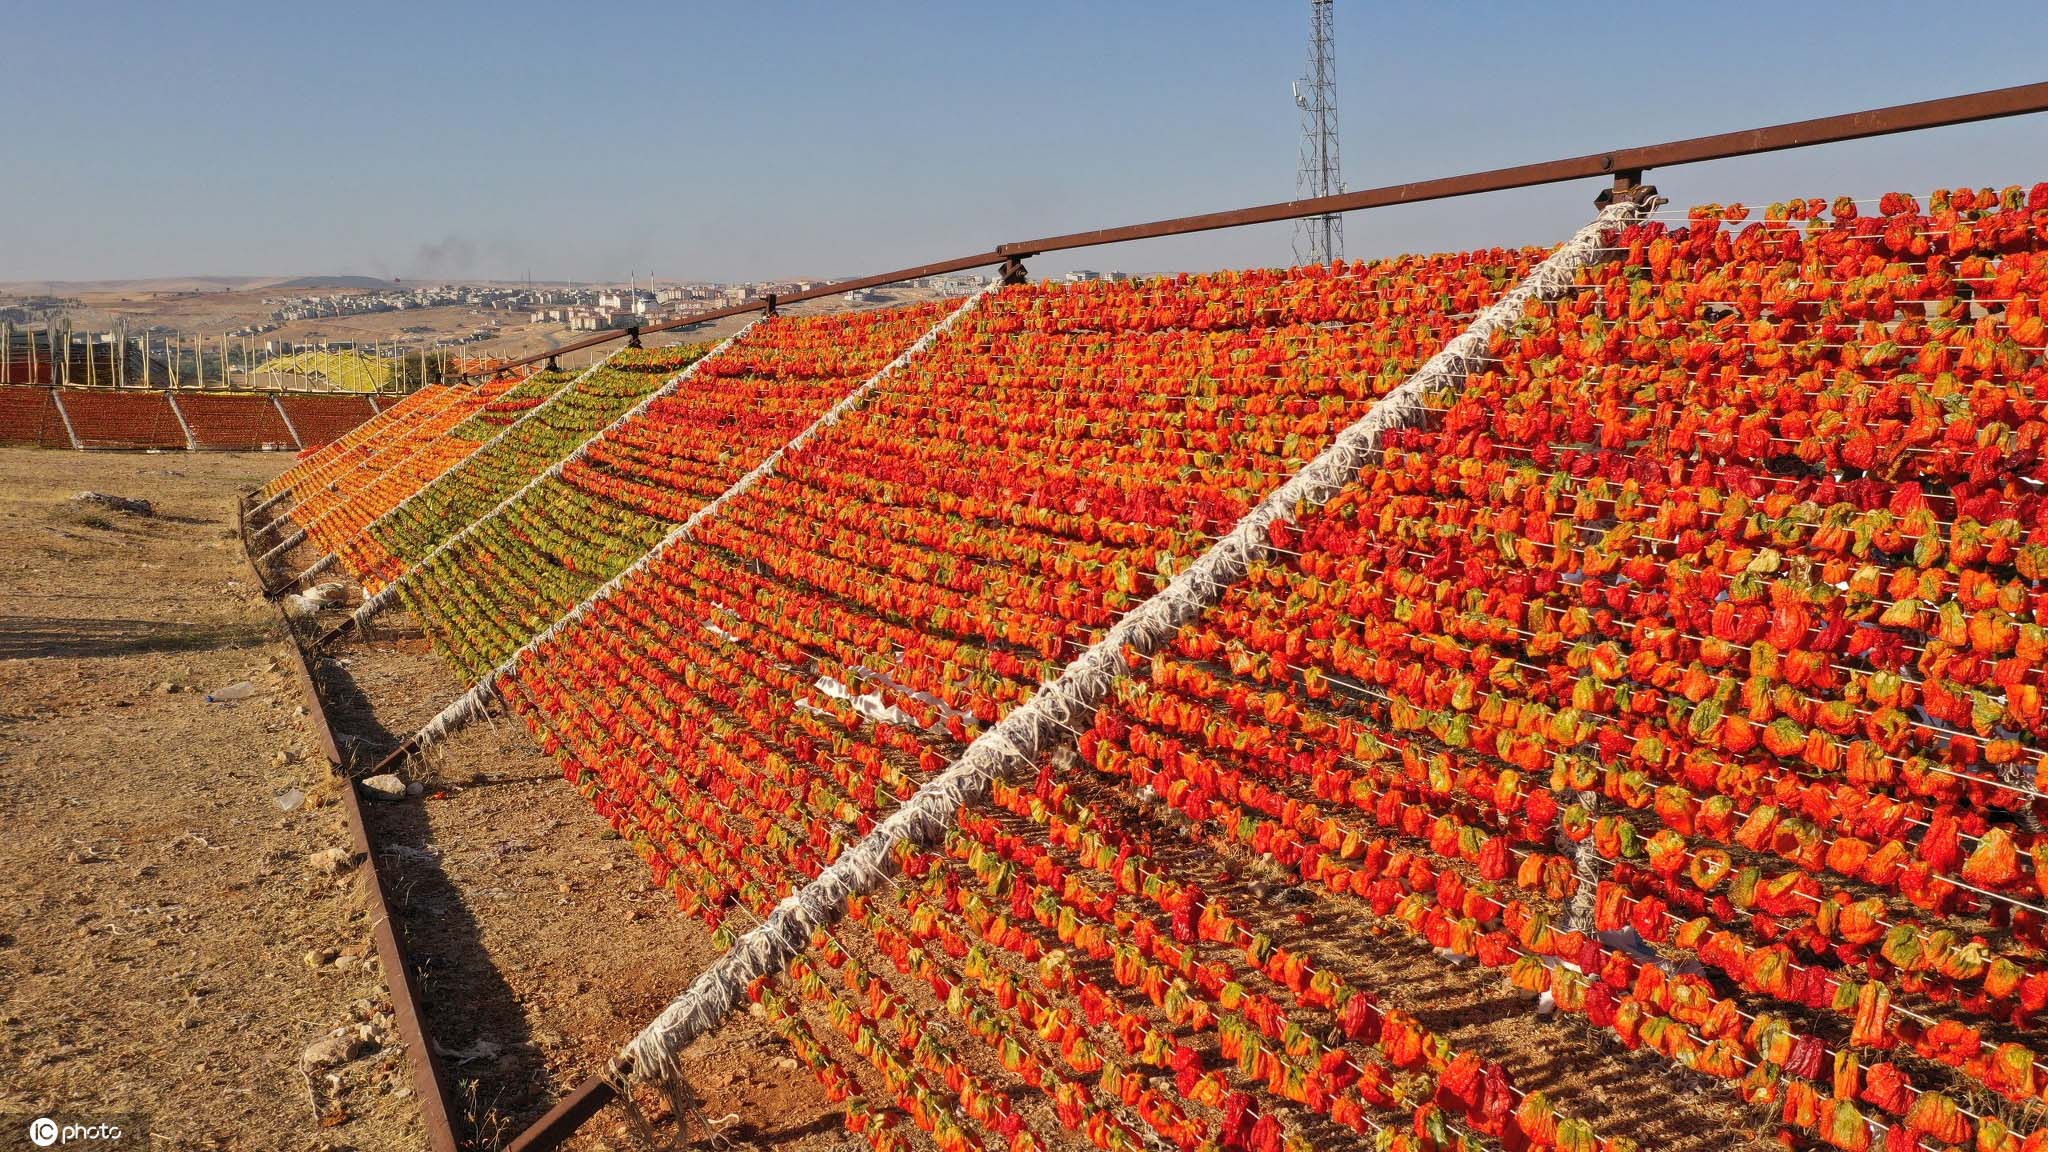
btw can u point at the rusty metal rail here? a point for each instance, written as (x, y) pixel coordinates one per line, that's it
(429, 1079)
(1625, 163)
(568, 1114)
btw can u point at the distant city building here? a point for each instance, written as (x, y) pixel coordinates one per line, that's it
(952, 285)
(599, 319)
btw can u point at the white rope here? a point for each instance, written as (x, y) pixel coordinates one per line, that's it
(171, 397)
(1039, 724)
(473, 703)
(389, 592)
(57, 398)
(267, 504)
(292, 540)
(321, 565)
(287, 418)
(314, 569)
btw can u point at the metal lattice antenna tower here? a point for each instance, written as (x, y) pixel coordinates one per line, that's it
(1319, 239)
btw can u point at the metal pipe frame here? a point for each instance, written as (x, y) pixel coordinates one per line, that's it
(1974, 107)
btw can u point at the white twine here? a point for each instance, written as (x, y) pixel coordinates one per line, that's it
(171, 397)
(476, 700)
(389, 592)
(291, 541)
(1038, 725)
(268, 504)
(290, 427)
(57, 398)
(321, 565)
(314, 569)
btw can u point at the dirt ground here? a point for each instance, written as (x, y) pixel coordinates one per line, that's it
(540, 943)
(168, 946)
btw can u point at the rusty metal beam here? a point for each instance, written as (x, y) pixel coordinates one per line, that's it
(1949, 110)
(1941, 113)
(396, 756)
(562, 1121)
(428, 1077)
(430, 1081)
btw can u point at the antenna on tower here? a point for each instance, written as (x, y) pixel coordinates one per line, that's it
(1319, 239)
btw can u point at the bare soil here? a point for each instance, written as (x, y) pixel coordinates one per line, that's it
(165, 946)
(157, 910)
(541, 945)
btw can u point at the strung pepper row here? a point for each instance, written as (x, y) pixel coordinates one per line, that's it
(957, 710)
(570, 418)
(1536, 977)
(955, 970)
(1829, 804)
(523, 397)
(1719, 815)
(316, 465)
(913, 1093)
(1886, 726)
(979, 1101)
(683, 449)
(401, 460)
(966, 678)
(386, 436)
(1296, 1066)
(2009, 1068)
(1481, 1092)
(1659, 1013)
(855, 634)
(519, 570)
(1767, 970)
(910, 667)
(1981, 868)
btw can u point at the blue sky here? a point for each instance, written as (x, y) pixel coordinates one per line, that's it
(762, 139)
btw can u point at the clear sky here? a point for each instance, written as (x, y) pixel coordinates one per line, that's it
(756, 139)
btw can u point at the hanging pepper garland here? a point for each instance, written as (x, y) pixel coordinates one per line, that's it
(1559, 644)
(718, 655)
(315, 467)
(345, 531)
(564, 423)
(517, 570)
(1712, 606)
(332, 506)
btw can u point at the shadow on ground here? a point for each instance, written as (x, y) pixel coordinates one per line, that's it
(473, 1017)
(35, 637)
